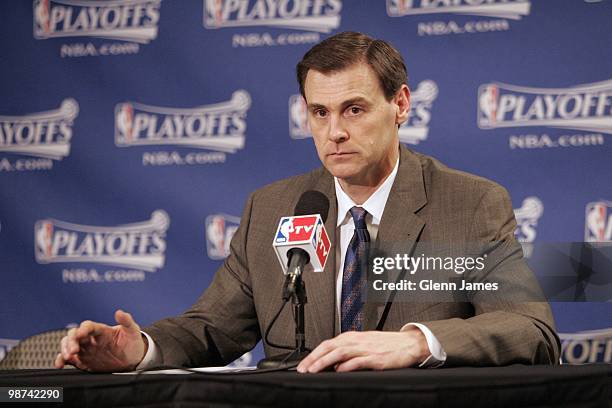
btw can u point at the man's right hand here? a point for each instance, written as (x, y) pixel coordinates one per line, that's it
(97, 347)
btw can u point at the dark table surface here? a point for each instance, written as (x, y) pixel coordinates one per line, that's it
(512, 386)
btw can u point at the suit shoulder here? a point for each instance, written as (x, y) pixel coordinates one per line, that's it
(480, 208)
(290, 185)
(454, 181)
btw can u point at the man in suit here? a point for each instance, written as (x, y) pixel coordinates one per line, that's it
(382, 196)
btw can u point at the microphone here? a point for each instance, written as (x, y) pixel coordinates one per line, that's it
(302, 238)
(299, 240)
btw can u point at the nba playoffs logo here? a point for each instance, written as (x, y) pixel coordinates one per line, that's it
(598, 222)
(126, 20)
(309, 15)
(43, 134)
(527, 217)
(220, 228)
(413, 131)
(219, 127)
(140, 244)
(583, 107)
(511, 9)
(416, 128)
(587, 347)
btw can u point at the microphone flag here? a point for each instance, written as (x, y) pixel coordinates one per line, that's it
(306, 232)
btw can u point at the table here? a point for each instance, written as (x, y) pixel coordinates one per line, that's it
(512, 386)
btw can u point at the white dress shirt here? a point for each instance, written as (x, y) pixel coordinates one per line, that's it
(375, 206)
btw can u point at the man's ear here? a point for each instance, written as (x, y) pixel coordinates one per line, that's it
(402, 104)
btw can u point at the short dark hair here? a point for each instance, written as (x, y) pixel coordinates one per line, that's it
(345, 49)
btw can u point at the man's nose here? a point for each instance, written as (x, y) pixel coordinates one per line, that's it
(337, 130)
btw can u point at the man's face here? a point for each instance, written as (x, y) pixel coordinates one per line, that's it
(353, 125)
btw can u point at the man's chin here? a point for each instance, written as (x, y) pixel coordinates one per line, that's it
(342, 172)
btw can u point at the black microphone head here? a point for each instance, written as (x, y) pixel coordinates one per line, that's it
(313, 202)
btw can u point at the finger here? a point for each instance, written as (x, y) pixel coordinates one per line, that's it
(86, 329)
(59, 361)
(72, 342)
(360, 363)
(78, 363)
(336, 356)
(319, 351)
(125, 319)
(64, 348)
(343, 339)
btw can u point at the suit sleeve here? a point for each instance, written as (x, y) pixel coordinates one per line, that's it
(222, 324)
(513, 326)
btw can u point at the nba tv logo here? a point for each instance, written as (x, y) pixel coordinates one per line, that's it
(598, 222)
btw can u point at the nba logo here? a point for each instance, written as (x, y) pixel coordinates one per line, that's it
(125, 122)
(397, 8)
(43, 233)
(598, 222)
(285, 228)
(42, 26)
(298, 118)
(220, 229)
(487, 104)
(214, 13)
(401, 5)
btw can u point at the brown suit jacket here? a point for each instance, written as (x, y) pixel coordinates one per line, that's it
(428, 203)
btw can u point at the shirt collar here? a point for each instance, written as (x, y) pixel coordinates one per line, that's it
(374, 205)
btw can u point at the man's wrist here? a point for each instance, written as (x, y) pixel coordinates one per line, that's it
(145, 343)
(437, 356)
(151, 356)
(145, 340)
(420, 346)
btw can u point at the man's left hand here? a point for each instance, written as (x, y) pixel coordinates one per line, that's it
(375, 350)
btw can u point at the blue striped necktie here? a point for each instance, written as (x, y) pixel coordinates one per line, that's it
(353, 277)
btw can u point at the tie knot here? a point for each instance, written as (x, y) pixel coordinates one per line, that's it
(359, 215)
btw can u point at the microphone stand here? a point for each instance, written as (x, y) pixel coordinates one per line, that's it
(295, 289)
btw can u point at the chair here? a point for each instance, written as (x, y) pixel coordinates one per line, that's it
(38, 351)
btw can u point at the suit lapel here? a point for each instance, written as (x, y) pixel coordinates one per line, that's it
(398, 232)
(400, 227)
(320, 287)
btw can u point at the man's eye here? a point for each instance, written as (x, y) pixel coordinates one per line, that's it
(320, 113)
(355, 110)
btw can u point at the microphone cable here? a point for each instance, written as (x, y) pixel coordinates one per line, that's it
(267, 333)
